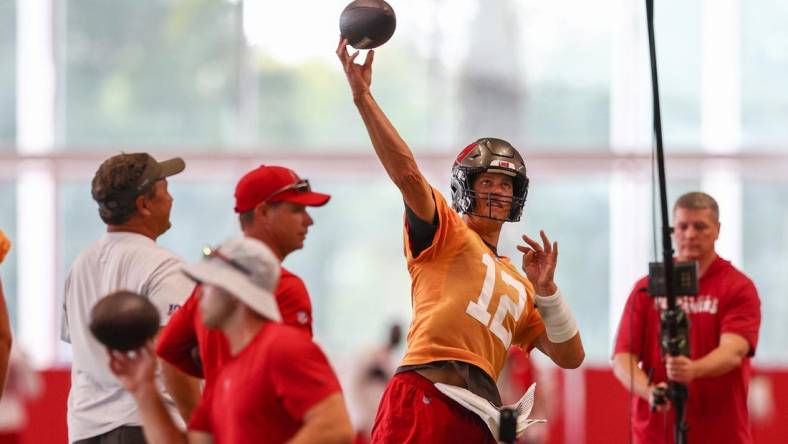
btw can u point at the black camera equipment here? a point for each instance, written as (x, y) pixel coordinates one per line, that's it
(666, 278)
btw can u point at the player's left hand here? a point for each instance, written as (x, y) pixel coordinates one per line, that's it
(539, 263)
(680, 369)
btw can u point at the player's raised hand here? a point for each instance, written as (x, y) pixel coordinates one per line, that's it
(358, 76)
(5, 245)
(539, 262)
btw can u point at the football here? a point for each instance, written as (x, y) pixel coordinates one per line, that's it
(124, 321)
(367, 24)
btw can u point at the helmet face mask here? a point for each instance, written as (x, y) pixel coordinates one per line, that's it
(492, 156)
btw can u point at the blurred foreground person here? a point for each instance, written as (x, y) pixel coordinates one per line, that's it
(371, 372)
(724, 319)
(22, 385)
(277, 387)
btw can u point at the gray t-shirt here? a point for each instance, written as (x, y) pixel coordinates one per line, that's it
(97, 403)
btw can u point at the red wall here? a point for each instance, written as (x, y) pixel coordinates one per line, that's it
(601, 398)
(607, 407)
(47, 418)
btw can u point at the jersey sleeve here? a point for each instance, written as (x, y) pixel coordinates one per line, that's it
(294, 305)
(178, 339)
(632, 326)
(301, 375)
(444, 240)
(742, 315)
(168, 288)
(420, 232)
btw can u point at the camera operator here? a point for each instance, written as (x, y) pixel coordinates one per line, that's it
(724, 320)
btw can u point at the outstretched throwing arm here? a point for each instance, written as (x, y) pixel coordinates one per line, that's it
(392, 151)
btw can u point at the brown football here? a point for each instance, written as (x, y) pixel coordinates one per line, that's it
(124, 320)
(367, 24)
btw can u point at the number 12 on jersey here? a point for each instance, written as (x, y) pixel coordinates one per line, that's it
(479, 309)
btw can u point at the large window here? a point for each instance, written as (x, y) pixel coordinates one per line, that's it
(678, 26)
(764, 65)
(562, 59)
(765, 254)
(151, 72)
(453, 72)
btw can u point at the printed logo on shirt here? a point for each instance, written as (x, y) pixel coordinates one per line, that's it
(697, 304)
(173, 308)
(302, 317)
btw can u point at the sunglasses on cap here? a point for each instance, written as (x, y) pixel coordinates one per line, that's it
(209, 252)
(302, 186)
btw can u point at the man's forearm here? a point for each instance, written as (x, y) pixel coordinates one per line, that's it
(184, 389)
(568, 354)
(389, 146)
(156, 421)
(561, 339)
(326, 423)
(719, 361)
(328, 433)
(626, 370)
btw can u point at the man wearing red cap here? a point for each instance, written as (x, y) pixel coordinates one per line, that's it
(271, 202)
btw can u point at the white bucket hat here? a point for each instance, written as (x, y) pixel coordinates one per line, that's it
(244, 267)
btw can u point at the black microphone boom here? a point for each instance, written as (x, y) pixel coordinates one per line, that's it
(673, 320)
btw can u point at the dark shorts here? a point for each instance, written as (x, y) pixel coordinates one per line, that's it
(121, 435)
(413, 411)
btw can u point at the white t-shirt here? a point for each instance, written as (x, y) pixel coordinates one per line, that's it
(97, 403)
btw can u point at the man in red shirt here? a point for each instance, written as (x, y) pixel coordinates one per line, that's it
(724, 321)
(271, 202)
(277, 387)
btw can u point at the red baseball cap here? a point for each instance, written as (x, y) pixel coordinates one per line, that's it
(269, 183)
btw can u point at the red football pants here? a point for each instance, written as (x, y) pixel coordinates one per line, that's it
(414, 411)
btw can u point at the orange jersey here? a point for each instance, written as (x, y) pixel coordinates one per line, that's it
(468, 304)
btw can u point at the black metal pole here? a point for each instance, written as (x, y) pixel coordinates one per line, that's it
(676, 392)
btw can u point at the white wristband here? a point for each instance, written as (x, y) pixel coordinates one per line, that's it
(558, 320)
